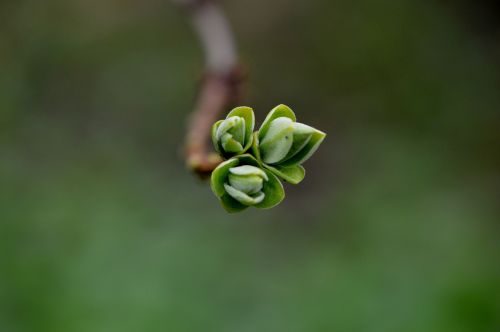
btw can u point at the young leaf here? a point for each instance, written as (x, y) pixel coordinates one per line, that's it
(231, 145)
(301, 136)
(274, 192)
(231, 205)
(247, 114)
(244, 198)
(291, 174)
(234, 135)
(215, 141)
(278, 140)
(255, 146)
(277, 112)
(219, 176)
(306, 152)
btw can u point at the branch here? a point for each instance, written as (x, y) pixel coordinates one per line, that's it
(220, 86)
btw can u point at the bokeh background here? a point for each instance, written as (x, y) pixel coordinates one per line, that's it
(396, 227)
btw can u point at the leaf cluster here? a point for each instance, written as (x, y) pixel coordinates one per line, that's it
(257, 160)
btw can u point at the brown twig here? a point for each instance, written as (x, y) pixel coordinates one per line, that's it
(220, 87)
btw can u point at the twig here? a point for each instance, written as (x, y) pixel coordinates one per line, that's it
(220, 86)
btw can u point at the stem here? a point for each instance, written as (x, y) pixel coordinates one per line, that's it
(220, 87)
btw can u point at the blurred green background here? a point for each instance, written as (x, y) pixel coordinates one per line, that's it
(396, 227)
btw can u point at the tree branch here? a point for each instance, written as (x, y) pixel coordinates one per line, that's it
(220, 87)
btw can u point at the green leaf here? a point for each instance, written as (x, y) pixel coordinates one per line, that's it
(238, 130)
(278, 140)
(250, 184)
(301, 136)
(231, 205)
(215, 141)
(249, 116)
(273, 189)
(219, 176)
(308, 150)
(291, 174)
(246, 178)
(244, 198)
(248, 159)
(230, 145)
(255, 146)
(248, 170)
(225, 126)
(277, 112)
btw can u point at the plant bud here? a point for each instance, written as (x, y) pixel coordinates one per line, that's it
(285, 139)
(282, 144)
(233, 135)
(240, 183)
(245, 184)
(248, 179)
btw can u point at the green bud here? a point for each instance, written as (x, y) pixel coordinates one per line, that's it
(248, 179)
(283, 144)
(249, 191)
(245, 184)
(240, 182)
(233, 136)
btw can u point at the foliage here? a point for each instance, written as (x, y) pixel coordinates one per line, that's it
(279, 148)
